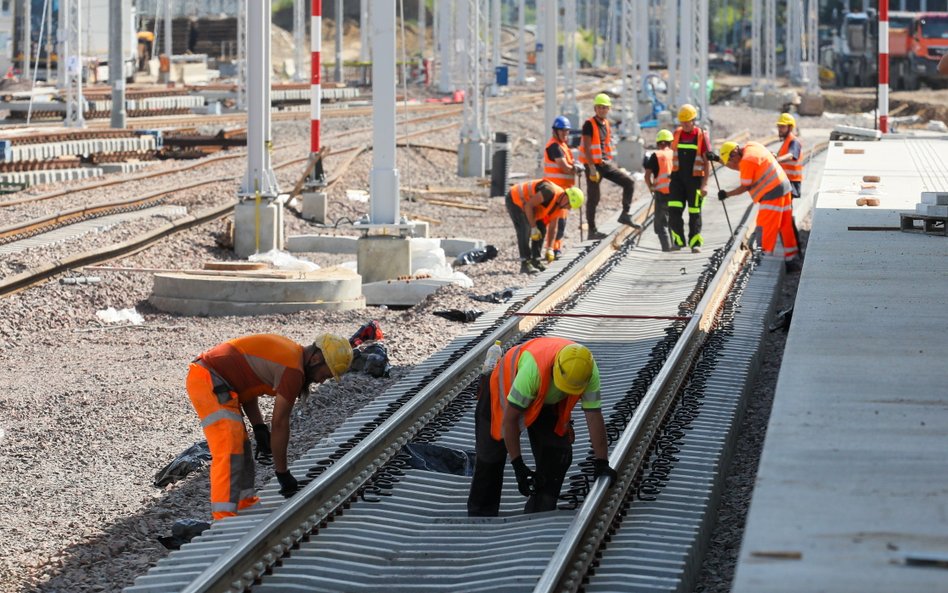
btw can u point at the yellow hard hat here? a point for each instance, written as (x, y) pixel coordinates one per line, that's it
(576, 197)
(664, 136)
(602, 99)
(786, 119)
(726, 150)
(337, 352)
(687, 113)
(572, 368)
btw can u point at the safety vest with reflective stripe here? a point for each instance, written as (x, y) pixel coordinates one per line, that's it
(544, 352)
(666, 160)
(793, 167)
(763, 176)
(597, 143)
(700, 147)
(521, 193)
(552, 172)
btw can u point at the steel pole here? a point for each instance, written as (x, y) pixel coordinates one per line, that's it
(117, 15)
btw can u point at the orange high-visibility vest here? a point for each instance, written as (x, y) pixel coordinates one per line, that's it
(666, 161)
(700, 147)
(522, 192)
(544, 351)
(552, 172)
(597, 143)
(762, 174)
(793, 167)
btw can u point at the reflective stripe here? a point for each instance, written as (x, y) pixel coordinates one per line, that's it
(793, 167)
(552, 171)
(522, 192)
(596, 144)
(221, 415)
(774, 207)
(694, 210)
(662, 183)
(223, 507)
(677, 238)
(696, 240)
(675, 204)
(700, 140)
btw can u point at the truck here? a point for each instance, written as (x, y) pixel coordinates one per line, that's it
(916, 43)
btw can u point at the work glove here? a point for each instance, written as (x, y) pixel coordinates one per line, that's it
(549, 255)
(722, 195)
(594, 176)
(526, 479)
(579, 169)
(712, 157)
(601, 468)
(536, 235)
(263, 454)
(288, 484)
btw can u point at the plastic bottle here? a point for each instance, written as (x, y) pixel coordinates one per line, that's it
(493, 355)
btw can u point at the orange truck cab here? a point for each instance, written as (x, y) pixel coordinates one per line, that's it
(929, 44)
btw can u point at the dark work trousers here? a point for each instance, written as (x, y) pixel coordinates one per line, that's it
(528, 249)
(552, 454)
(661, 220)
(607, 170)
(684, 195)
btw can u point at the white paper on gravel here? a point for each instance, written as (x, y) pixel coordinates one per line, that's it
(284, 261)
(111, 315)
(427, 258)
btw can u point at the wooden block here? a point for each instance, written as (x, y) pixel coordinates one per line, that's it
(860, 201)
(778, 554)
(234, 265)
(871, 178)
(872, 201)
(853, 151)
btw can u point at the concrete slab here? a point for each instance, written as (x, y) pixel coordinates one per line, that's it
(384, 257)
(851, 486)
(322, 244)
(213, 293)
(456, 246)
(401, 293)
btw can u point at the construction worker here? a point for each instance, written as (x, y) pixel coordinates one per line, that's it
(790, 157)
(532, 206)
(535, 385)
(559, 168)
(769, 187)
(225, 382)
(598, 154)
(689, 180)
(658, 170)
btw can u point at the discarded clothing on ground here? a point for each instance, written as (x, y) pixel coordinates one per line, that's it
(195, 457)
(182, 532)
(371, 331)
(437, 458)
(499, 296)
(476, 256)
(371, 359)
(459, 315)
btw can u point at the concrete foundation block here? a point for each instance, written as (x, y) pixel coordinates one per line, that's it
(400, 293)
(314, 206)
(383, 257)
(252, 220)
(934, 198)
(322, 244)
(420, 228)
(472, 159)
(455, 247)
(773, 100)
(811, 105)
(631, 151)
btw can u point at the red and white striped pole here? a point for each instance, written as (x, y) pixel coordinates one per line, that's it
(315, 93)
(884, 66)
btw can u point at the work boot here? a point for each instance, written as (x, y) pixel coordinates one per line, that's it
(696, 249)
(595, 235)
(665, 242)
(557, 254)
(527, 268)
(536, 263)
(625, 219)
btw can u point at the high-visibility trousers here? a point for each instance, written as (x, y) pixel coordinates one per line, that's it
(232, 469)
(775, 217)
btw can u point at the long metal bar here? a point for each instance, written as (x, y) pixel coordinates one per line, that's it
(117, 15)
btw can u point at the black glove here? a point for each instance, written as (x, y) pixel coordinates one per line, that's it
(722, 195)
(712, 157)
(601, 468)
(263, 454)
(526, 479)
(288, 484)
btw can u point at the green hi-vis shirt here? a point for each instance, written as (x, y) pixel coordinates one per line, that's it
(526, 384)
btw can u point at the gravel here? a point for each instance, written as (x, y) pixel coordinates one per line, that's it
(91, 412)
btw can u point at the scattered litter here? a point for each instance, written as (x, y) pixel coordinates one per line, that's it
(499, 296)
(357, 195)
(111, 315)
(459, 315)
(370, 331)
(371, 359)
(284, 261)
(782, 320)
(80, 280)
(182, 532)
(437, 458)
(476, 256)
(193, 458)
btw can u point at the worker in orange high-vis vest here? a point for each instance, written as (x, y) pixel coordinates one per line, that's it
(598, 153)
(535, 385)
(764, 178)
(532, 205)
(790, 157)
(224, 384)
(689, 180)
(658, 170)
(559, 168)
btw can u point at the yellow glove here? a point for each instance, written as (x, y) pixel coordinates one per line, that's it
(595, 177)
(536, 235)
(550, 256)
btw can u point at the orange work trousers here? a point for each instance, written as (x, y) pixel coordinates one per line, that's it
(232, 469)
(775, 217)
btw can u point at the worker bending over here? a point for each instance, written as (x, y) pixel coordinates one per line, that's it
(689, 180)
(598, 154)
(559, 168)
(658, 171)
(532, 206)
(225, 382)
(535, 384)
(769, 187)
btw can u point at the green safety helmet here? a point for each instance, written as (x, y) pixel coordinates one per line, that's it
(576, 197)
(602, 99)
(664, 136)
